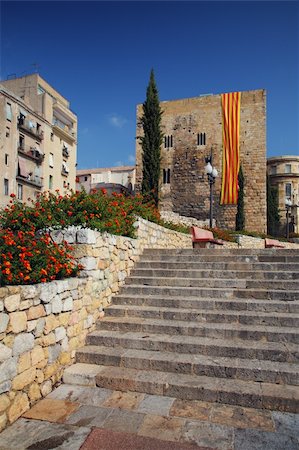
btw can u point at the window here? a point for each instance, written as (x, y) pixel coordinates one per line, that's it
(7, 132)
(6, 187)
(51, 159)
(50, 181)
(20, 192)
(166, 176)
(273, 170)
(52, 137)
(85, 178)
(287, 168)
(8, 112)
(168, 141)
(201, 139)
(22, 142)
(288, 190)
(6, 159)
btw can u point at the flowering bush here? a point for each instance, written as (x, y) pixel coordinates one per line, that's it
(27, 260)
(115, 214)
(29, 257)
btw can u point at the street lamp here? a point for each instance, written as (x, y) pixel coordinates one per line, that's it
(212, 174)
(288, 204)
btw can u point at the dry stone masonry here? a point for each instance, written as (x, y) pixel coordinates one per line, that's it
(42, 325)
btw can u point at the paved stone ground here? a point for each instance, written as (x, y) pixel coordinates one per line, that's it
(90, 418)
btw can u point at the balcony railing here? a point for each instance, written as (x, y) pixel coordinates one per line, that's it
(32, 153)
(26, 126)
(32, 180)
(66, 128)
(65, 152)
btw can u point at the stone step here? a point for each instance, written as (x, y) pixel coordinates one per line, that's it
(220, 367)
(206, 273)
(289, 285)
(222, 251)
(246, 349)
(217, 265)
(198, 315)
(208, 303)
(195, 387)
(218, 330)
(202, 292)
(214, 257)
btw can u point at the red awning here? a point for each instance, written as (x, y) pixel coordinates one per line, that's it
(22, 168)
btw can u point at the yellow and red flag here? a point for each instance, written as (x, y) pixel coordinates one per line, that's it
(231, 155)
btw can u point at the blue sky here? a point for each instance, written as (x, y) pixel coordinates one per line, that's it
(99, 56)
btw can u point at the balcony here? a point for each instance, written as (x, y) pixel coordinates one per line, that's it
(32, 153)
(65, 152)
(64, 170)
(27, 126)
(63, 130)
(31, 180)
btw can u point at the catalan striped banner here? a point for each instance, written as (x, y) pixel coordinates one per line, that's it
(230, 157)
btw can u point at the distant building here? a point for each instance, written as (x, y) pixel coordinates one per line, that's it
(284, 174)
(113, 179)
(193, 127)
(38, 139)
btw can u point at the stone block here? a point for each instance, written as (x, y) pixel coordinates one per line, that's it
(60, 334)
(67, 304)
(3, 421)
(18, 321)
(57, 236)
(86, 236)
(23, 379)
(4, 402)
(37, 355)
(12, 302)
(35, 312)
(88, 262)
(24, 362)
(5, 352)
(5, 386)
(4, 319)
(28, 292)
(46, 388)
(51, 322)
(48, 291)
(40, 324)
(34, 392)
(54, 351)
(19, 405)
(25, 304)
(56, 304)
(22, 343)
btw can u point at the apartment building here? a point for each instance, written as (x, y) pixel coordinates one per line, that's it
(283, 172)
(38, 139)
(110, 178)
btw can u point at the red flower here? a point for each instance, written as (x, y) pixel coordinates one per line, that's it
(12, 195)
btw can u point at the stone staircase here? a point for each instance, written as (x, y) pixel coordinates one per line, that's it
(215, 325)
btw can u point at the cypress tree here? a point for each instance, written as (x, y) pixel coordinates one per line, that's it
(151, 141)
(240, 217)
(273, 217)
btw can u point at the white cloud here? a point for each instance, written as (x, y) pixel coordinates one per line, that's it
(119, 163)
(117, 121)
(131, 158)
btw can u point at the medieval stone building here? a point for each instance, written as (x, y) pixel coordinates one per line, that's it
(192, 130)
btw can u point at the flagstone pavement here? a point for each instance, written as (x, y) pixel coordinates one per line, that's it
(91, 418)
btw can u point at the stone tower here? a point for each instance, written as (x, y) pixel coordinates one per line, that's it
(192, 129)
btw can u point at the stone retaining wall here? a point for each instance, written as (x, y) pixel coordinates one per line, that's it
(42, 325)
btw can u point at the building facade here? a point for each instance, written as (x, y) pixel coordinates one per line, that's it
(111, 178)
(192, 130)
(283, 172)
(38, 139)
